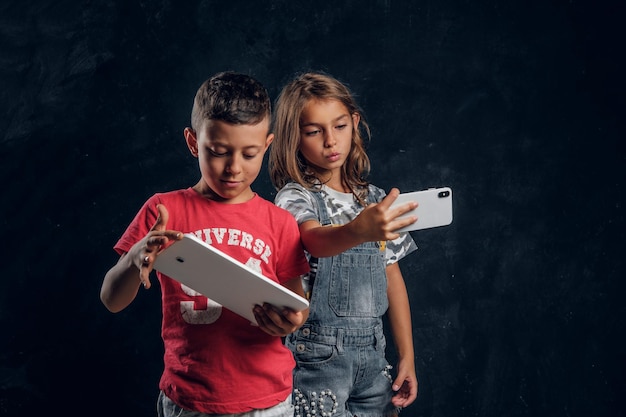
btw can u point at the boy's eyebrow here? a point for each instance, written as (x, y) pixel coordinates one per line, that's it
(343, 116)
(226, 144)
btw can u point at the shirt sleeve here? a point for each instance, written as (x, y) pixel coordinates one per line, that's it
(140, 226)
(292, 260)
(398, 248)
(298, 201)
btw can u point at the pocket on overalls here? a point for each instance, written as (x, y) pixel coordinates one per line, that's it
(358, 284)
(309, 353)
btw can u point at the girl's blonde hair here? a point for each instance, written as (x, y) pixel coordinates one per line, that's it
(286, 163)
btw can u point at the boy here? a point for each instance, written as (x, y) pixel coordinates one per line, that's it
(215, 361)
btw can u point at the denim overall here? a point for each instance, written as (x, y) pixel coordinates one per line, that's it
(341, 368)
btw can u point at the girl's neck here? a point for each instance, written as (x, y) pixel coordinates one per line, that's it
(331, 179)
(336, 184)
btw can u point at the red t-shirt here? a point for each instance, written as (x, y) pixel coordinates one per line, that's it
(216, 361)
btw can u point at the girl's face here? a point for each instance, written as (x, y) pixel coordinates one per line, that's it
(230, 158)
(326, 129)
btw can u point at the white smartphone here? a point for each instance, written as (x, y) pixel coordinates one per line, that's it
(434, 208)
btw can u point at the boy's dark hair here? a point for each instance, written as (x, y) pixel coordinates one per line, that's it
(232, 98)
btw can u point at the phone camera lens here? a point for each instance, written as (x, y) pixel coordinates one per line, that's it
(443, 194)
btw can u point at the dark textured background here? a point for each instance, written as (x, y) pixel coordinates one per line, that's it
(519, 106)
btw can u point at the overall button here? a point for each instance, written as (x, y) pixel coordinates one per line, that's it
(306, 331)
(300, 347)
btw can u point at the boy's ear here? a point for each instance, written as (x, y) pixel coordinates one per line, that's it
(269, 140)
(192, 141)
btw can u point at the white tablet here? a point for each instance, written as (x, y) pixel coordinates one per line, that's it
(434, 208)
(222, 278)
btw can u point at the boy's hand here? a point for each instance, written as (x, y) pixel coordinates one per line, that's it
(145, 252)
(278, 322)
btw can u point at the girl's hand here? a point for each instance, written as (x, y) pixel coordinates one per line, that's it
(405, 386)
(378, 222)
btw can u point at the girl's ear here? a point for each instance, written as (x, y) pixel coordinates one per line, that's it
(192, 141)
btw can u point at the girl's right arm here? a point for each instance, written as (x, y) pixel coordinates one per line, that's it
(375, 223)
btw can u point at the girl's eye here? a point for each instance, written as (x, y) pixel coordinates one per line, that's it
(249, 156)
(312, 132)
(341, 127)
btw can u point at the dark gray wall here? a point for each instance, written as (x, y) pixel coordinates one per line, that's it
(518, 306)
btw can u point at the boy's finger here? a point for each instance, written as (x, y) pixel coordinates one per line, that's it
(162, 218)
(144, 276)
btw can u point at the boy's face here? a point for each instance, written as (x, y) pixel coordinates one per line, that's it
(230, 158)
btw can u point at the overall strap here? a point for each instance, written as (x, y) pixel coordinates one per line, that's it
(323, 211)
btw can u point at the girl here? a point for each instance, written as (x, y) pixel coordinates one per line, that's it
(318, 164)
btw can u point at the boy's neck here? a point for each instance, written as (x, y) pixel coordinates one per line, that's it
(205, 191)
